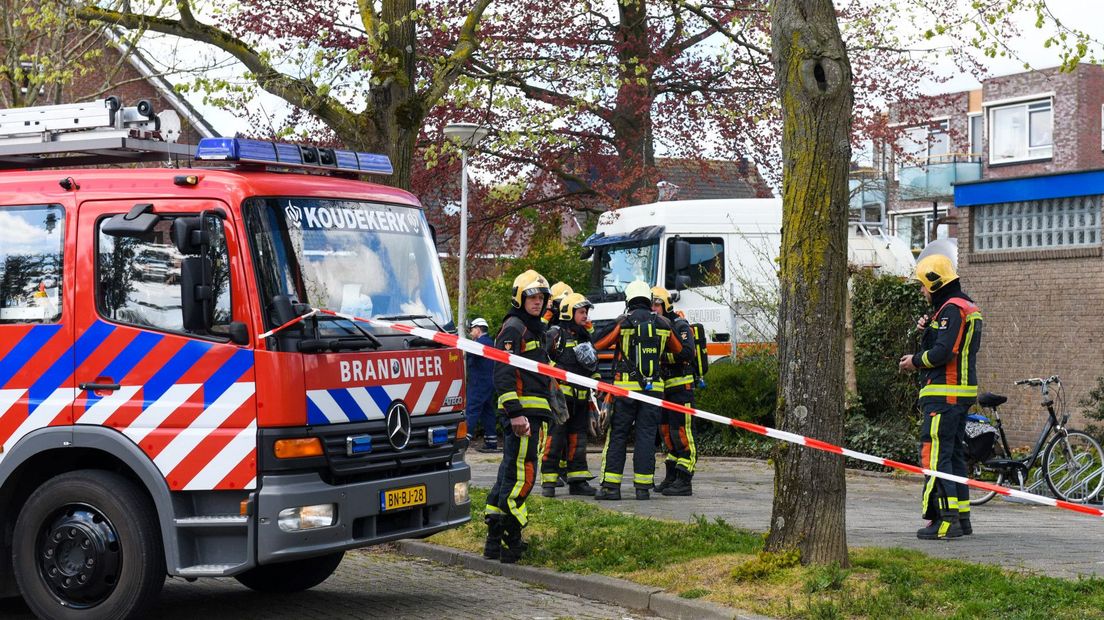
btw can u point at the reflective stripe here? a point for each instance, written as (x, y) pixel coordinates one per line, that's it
(671, 382)
(647, 479)
(530, 346)
(520, 511)
(924, 360)
(505, 398)
(933, 462)
(965, 378)
(534, 402)
(688, 428)
(634, 386)
(579, 475)
(611, 478)
(605, 450)
(941, 389)
(964, 506)
(494, 510)
(553, 477)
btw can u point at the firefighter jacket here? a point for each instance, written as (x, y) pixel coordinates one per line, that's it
(678, 369)
(620, 336)
(947, 360)
(521, 392)
(562, 340)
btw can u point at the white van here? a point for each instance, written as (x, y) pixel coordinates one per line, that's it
(719, 255)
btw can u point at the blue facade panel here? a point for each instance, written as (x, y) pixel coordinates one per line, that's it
(1087, 183)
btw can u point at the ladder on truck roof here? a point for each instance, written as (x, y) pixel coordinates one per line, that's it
(86, 134)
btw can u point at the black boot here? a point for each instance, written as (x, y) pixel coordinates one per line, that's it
(580, 487)
(681, 486)
(643, 494)
(608, 493)
(964, 523)
(512, 545)
(492, 549)
(943, 528)
(548, 489)
(668, 479)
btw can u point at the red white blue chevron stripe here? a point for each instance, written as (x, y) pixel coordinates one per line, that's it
(188, 404)
(362, 404)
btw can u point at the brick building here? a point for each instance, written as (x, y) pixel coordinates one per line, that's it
(1009, 169)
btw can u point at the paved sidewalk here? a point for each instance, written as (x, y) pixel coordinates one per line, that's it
(882, 511)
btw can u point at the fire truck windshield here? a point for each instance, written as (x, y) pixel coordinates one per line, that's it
(615, 266)
(361, 258)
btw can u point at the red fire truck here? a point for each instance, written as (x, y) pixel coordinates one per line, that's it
(146, 426)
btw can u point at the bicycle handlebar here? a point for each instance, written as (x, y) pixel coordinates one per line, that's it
(1037, 381)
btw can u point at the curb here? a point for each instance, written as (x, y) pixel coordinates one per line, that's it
(594, 587)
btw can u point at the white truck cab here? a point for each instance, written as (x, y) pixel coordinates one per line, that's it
(721, 258)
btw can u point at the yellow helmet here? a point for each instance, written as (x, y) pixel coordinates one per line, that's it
(561, 290)
(661, 295)
(570, 303)
(638, 288)
(528, 283)
(934, 272)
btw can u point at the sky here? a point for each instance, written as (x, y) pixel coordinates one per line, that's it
(1086, 14)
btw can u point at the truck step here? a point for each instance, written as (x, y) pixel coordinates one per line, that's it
(207, 570)
(212, 521)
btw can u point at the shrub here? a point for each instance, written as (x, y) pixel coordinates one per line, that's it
(744, 389)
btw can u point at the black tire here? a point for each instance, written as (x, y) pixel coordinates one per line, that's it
(1079, 479)
(980, 472)
(293, 576)
(87, 546)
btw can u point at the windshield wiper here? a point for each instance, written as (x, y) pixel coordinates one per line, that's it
(412, 318)
(314, 345)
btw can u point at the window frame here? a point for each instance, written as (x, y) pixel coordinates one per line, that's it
(971, 135)
(97, 297)
(1025, 105)
(669, 275)
(927, 215)
(60, 318)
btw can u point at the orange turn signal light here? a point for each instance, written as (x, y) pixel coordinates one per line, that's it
(462, 429)
(297, 448)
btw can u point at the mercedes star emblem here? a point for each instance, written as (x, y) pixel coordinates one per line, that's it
(398, 425)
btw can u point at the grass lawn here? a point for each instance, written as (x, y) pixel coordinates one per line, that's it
(714, 561)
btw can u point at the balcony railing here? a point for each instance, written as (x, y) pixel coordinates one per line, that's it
(935, 180)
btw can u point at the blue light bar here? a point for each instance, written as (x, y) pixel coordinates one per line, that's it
(290, 155)
(436, 436)
(361, 444)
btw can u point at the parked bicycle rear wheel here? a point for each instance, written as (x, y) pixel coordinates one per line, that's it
(978, 471)
(1073, 467)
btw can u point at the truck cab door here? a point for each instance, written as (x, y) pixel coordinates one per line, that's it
(36, 317)
(184, 395)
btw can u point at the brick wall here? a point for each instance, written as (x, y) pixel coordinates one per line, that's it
(1043, 314)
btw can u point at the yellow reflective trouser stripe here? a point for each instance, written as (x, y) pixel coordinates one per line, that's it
(964, 505)
(643, 479)
(552, 477)
(611, 477)
(606, 477)
(693, 460)
(933, 461)
(678, 381)
(520, 511)
(941, 389)
(583, 473)
(505, 398)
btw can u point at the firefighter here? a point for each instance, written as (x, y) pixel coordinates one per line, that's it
(639, 338)
(678, 387)
(559, 290)
(947, 362)
(523, 400)
(570, 348)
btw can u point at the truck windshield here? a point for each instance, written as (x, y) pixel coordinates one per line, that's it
(617, 265)
(361, 258)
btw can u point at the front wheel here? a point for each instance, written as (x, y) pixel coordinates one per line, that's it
(293, 576)
(1073, 467)
(87, 547)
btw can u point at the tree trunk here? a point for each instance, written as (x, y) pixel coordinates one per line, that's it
(632, 114)
(814, 78)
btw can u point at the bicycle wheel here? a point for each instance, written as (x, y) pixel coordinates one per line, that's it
(978, 471)
(1073, 467)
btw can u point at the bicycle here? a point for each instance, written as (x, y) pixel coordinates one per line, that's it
(1072, 461)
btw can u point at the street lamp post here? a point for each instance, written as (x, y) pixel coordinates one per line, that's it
(467, 136)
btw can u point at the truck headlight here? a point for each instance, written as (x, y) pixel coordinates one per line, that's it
(307, 517)
(460, 493)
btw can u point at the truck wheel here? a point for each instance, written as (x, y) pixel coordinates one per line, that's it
(293, 576)
(87, 546)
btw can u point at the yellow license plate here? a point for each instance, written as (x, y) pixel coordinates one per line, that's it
(403, 498)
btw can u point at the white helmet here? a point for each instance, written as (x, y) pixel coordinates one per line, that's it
(480, 323)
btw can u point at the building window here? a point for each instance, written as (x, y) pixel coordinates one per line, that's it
(139, 278)
(1038, 224)
(706, 262)
(977, 124)
(925, 144)
(915, 229)
(1021, 131)
(31, 241)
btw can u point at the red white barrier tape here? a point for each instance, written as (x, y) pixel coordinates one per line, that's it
(560, 374)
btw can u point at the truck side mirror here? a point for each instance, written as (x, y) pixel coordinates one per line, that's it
(189, 235)
(433, 234)
(681, 254)
(139, 221)
(197, 304)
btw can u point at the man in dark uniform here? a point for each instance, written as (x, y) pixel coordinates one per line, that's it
(523, 400)
(947, 362)
(480, 390)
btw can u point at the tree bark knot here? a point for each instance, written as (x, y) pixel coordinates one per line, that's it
(821, 75)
